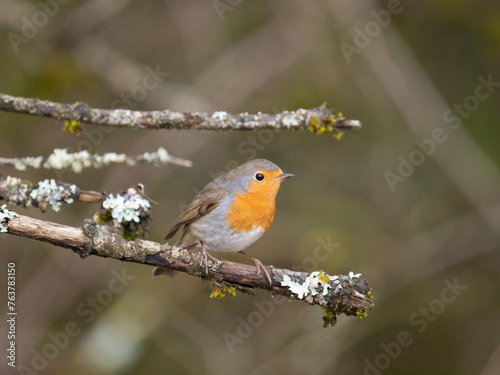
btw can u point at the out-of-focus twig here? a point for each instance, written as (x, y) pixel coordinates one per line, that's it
(61, 159)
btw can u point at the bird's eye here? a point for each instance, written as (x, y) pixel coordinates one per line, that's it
(259, 176)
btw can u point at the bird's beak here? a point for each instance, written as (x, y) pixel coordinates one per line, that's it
(283, 176)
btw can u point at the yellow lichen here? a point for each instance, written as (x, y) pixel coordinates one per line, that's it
(361, 314)
(73, 126)
(324, 277)
(313, 123)
(338, 134)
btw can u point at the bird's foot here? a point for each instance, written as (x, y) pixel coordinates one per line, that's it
(204, 257)
(259, 266)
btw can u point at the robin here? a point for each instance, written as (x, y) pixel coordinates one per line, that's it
(231, 212)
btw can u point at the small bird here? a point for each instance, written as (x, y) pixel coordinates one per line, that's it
(231, 212)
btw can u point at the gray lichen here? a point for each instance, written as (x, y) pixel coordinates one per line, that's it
(325, 290)
(50, 193)
(167, 119)
(47, 193)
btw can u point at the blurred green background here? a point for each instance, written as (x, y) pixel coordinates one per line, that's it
(421, 223)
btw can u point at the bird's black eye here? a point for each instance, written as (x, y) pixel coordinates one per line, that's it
(259, 176)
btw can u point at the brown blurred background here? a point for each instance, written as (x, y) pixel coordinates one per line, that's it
(426, 236)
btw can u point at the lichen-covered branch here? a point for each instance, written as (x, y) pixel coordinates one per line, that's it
(77, 161)
(318, 120)
(128, 212)
(44, 194)
(335, 294)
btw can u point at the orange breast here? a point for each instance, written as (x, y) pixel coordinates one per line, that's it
(249, 211)
(254, 208)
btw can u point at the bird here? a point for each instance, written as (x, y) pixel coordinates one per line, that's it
(230, 213)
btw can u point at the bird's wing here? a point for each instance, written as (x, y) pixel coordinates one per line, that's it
(206, 201)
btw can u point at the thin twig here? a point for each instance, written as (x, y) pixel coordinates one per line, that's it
(336, 294)
(61, 159)
(317, 120)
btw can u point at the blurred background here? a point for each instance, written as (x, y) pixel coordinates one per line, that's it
(411, 201)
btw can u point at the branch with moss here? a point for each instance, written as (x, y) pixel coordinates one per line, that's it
(318, 120)
(338, 294)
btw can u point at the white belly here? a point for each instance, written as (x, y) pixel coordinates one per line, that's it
(233, 242)
(220, 237)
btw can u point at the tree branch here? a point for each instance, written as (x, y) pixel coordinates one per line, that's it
(317, 120)
(336, 294)
(77, 161)
(44, 194)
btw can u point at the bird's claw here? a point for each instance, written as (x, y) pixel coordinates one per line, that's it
(260, 266)
(204, 257)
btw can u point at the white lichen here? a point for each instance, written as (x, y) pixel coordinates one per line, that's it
(61, 159)
(109, 158)
(220, 115)
(318, 282)
(292, 119)
(313, 285)
(157, 158)
(355, 123)
(126, 208)
(48, 192)
(34, 162)
(5, 216)
(163, 155)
